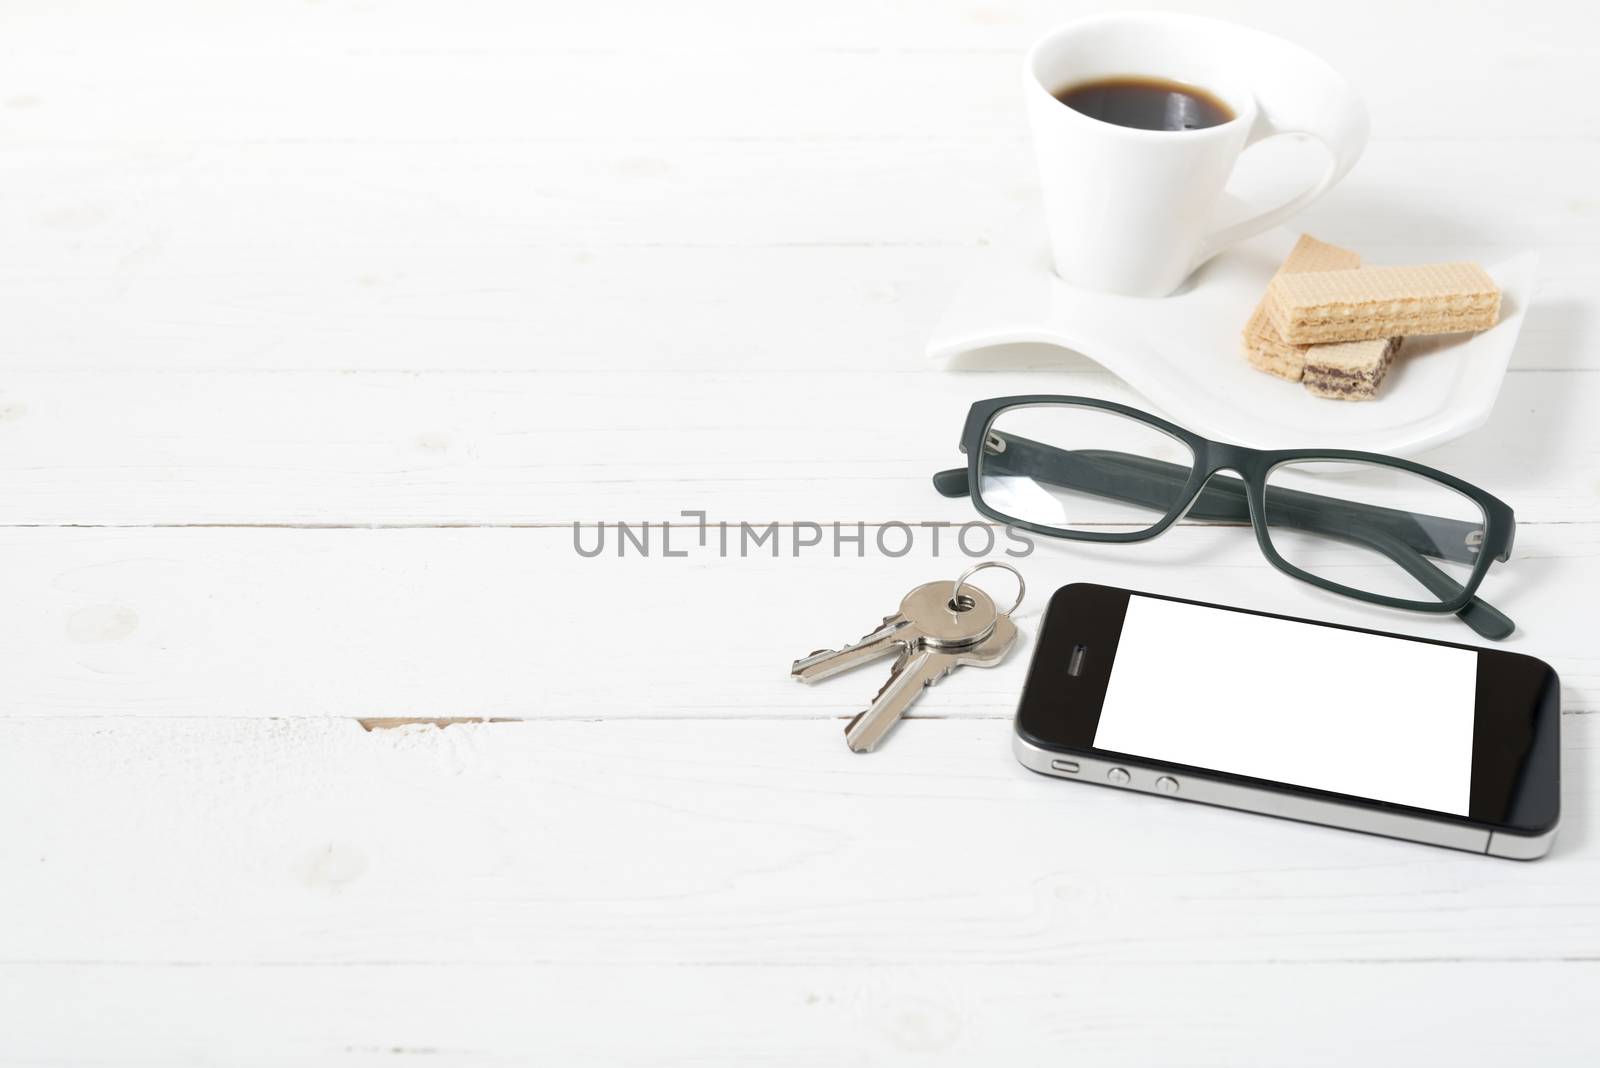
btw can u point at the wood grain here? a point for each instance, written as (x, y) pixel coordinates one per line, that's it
(555, 448)
(957, 1015)
(320, 325)
(514, 623)
(631, 255)
(294, 841)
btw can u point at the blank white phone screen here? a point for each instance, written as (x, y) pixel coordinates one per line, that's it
(1295, 703)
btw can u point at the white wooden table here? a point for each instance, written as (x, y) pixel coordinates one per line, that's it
(322, 325)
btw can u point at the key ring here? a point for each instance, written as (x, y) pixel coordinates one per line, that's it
(1022, 587)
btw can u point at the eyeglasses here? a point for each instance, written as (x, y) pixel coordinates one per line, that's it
(1372, 527)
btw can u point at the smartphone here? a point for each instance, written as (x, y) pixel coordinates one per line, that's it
(1406, 737)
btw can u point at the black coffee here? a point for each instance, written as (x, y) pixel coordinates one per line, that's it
(1146, 103)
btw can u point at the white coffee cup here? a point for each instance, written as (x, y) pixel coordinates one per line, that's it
(1135, 211)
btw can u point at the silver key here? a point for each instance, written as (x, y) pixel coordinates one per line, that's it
(926, 617)
(918, 668)
(937, 629)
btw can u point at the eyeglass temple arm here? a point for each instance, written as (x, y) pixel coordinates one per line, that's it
(1152, 483)
(1480, 615)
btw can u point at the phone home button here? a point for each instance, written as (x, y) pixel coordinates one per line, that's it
(1167, 784)
(1118, 776)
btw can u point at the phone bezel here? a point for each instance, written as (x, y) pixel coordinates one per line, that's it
(1516, 754)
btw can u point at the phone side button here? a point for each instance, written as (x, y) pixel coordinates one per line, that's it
(1167, 784)
(1118, 776)
(1069, 767)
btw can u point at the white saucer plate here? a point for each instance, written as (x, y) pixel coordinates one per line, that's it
(1182, 352)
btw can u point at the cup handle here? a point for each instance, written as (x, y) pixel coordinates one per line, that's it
(1312, 100)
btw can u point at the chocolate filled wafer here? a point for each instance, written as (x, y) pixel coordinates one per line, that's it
(1349, 370)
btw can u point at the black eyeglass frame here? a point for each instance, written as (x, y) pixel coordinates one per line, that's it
(1130, 478)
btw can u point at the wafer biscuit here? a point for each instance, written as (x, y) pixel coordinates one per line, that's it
(1349, 370)
(1380, 302)
(1262, 345)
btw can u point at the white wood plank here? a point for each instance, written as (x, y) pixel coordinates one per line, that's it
(695, 310)
(80, 203)
(315, 842)
(629, 255)
(507, 71)
(250, 28)
(513, 623)
(321, 449)
(925, 1015)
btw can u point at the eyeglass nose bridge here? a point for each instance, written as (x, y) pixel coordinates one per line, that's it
(1218, 456)
(1235, 500)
